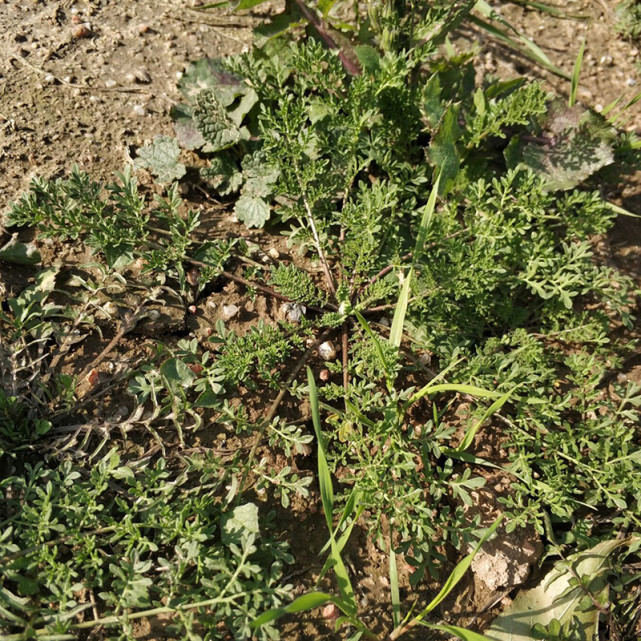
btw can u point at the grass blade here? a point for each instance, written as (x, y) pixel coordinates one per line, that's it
(393, 581)
(387, 368)
(461, 633)
(324, 476)
(327, 497)
(472, 390)
(426, 221)
(396, 332)
(501, 35)
(458, 572)
(576, 72)
(495, 407)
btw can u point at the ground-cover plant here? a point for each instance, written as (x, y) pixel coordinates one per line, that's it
(414, 195)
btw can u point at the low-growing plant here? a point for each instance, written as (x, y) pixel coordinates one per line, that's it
(459, 211)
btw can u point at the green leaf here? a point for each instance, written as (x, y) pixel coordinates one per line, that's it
(442, 150)
(576, 72)
(577, 143)
(209, 73)
(369, 58)
(242, 521)
(558, 597)
(254, 212)
(396, 331)
(458, 572)
(177, 373)
(161, 157)
(426, 221)
(495, 407)
(239, 5)
(18, 253)
(394, 590)
(472, 390)
(461, 633)
(187, 132)
(324, 476)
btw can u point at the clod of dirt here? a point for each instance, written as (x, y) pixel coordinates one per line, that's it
(505, 562)
(229, 311)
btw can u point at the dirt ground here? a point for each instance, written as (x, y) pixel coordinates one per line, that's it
(84, 81)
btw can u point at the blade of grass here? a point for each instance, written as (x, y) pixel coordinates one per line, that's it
(500, 35)
(324, 476)
(396, 331)
(472, 390)
(576, 72)
(495, 407)
(450, 583)
(379, 350)
(393, 582)
(620, 210)
(484, 8)
(327, 497)
(426, 221)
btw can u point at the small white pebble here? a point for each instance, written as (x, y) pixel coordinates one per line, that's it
(139, 110)
(293, 312)
(273, 252)
(229, 311)
(110, 84)
(50, 79)
(327, 351)
(384, 321)
(606, 60)
(622, 378)
(631, 82)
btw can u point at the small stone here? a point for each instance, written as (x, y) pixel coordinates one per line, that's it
(622, 378)
(142, 76)
(81, 31)
(425, 359)
(50, 79)
(75, 18)
(111, 308)
(325, 375)
(633, 53)
(631, 82)
(142, 29)
(192, 277)
(229, 311)
(110, 84)
(331, 612)
(606, 61)
(139, 110)
(384, 321)
(327, 351)
(293, 312)
(273, 253)
(193, 309)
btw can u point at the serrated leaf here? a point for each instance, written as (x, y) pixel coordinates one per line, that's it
(254, 212)
(214, 122)
(161, 157)
(557, 597)
(187, 132)
(223, 174)
(578, 143)
(208, 73)
(18, 253)
(242, 520)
